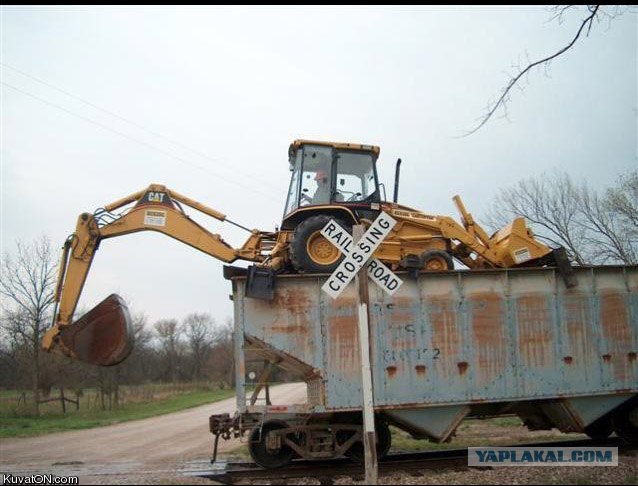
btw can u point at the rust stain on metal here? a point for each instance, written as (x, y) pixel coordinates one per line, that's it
(463, 366)
(582, 344)
(392, 371)
(242, 367)
(343, 341)
(489, 336)
(291, 320)
(402, 324)
(420, 370)
(297, 306)
(400, 318)
(296, 301)
(446, 335)
(290, 329)
(535, 332)
(614, 321)
(568, 360)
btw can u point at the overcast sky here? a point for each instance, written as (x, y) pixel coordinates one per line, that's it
(206, 101)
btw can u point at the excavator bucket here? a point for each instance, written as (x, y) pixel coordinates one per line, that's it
(103, 336)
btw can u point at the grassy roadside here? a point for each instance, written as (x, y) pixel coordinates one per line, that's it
(13, 425)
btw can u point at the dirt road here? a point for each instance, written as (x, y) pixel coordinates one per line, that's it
(157, 443)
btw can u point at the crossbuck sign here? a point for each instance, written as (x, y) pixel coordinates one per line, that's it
(360, 255)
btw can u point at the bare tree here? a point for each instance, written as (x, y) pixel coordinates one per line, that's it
(593, 12)
(27, 286)
(550, 203)
(139, 365)
(608, 236)
(594, 229)
(221, 360)
(169, 333)
(199, 332)
(623, 200)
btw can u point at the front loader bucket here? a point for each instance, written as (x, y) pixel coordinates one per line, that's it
(516, 245)
(103, 336)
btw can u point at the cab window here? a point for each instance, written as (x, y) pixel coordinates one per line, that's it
(315, 181)
(356, 178)
(311, 178)
(293, 191)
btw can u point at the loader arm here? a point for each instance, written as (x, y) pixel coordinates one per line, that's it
(450, 230)
(156, 208)
(511, 246)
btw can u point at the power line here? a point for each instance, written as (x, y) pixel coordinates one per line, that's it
(133, 139)
(126, 120)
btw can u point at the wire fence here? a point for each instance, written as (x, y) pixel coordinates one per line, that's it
(63, 400)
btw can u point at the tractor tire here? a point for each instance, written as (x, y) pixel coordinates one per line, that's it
(310, 252)
(436, 261)
(261, 454)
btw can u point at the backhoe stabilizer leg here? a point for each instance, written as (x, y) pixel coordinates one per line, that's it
(260, 283)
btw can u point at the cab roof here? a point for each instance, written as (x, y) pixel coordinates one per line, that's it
(294, 146)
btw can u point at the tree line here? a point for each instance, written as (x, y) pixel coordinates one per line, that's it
(197, 348)
(595, 227)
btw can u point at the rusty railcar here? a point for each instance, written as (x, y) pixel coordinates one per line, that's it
(446, 346)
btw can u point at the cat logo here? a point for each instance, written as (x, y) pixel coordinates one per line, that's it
(156, 197)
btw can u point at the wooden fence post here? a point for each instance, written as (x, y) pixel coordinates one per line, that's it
(62, 400)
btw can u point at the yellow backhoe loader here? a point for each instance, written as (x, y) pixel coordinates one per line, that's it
(329, 181)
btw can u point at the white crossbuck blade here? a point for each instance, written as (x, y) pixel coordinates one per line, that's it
(359, 256)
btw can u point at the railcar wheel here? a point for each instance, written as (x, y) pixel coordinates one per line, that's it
(436, 261)
(625, 421)
(600, 429)
(264, 452)
(310, 251)
(384, 441)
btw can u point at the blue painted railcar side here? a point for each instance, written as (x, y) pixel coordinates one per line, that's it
(453, 344)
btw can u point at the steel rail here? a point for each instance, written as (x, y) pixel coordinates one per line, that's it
(327, 470)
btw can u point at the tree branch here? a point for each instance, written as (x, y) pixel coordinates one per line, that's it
(504, 98)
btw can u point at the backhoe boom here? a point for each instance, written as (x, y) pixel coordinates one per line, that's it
(156, 208)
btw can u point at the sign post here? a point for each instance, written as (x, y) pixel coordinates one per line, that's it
(359, 263)
(369, 432)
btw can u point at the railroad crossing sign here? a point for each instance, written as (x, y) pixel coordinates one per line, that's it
(360, 255)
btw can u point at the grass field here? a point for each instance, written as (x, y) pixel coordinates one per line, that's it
(136, 403)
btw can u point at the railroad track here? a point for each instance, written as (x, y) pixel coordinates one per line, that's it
(412, 463)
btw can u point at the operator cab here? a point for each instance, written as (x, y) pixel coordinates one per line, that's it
(325, 173)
